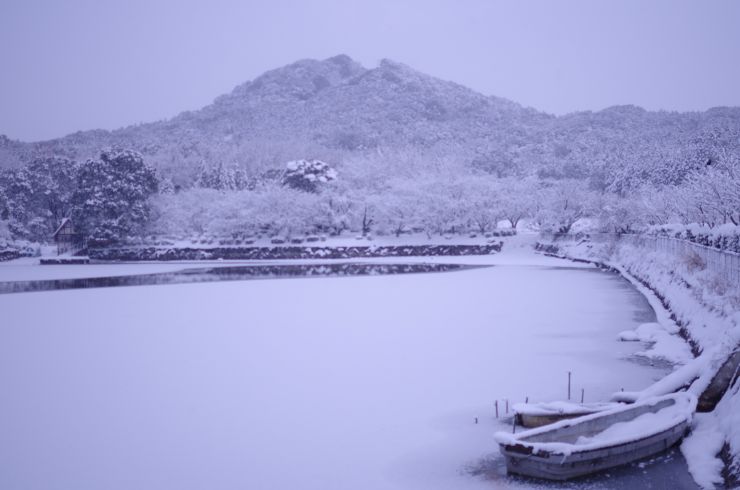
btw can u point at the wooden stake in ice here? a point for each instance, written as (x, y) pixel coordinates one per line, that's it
(582, 391)
(507, 406)
(496, 405)
(568, 385)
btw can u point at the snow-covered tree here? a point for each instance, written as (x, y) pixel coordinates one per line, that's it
(52, 181)
(396, 210)
(562, 203)
(481, 204)
(112, 193)
(36, 197)
(308, 175)
(517, 199)
(4, 198)
(221, 177)
(335, 213)
(715, 192)
(619, 215)
(654, 204)
(5, 235)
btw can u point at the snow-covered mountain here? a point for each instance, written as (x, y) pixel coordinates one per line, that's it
(333, 108)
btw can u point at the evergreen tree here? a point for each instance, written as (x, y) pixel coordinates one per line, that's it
(112, 194)
(37, 197)
(306, 175)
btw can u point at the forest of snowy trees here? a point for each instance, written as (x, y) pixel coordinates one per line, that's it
(118, 197)
(329, 147)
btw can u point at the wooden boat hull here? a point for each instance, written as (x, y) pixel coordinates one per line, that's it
(572, 448)
(531, 421)
(560, 467)
(530, 417)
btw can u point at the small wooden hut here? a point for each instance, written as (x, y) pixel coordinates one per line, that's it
(67, 239)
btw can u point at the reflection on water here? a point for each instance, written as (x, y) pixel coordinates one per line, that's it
(239, 273)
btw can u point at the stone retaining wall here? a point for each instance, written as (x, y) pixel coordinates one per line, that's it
(287, 252)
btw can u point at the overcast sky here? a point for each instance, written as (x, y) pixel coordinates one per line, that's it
(68, 65)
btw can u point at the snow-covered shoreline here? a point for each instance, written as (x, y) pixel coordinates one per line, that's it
(687, 296)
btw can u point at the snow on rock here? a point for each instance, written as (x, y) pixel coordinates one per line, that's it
(665, 344)
(629, 336)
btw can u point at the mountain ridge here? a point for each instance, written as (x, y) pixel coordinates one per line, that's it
(336, 107)
(358, 69)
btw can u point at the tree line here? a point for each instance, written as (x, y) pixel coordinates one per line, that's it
(118, 196)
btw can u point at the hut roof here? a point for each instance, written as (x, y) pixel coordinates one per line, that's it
(64, 222)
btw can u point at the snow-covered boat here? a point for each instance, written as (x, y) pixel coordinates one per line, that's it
(599, 441)
(539, 414)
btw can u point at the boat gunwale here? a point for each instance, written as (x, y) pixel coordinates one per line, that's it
(544, 454)
(515, 447)
(533, 410)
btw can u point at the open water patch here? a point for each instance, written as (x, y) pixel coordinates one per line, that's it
(228, 273)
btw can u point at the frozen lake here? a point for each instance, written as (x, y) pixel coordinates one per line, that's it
(332, 383)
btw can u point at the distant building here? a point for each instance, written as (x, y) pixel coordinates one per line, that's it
(67, 239)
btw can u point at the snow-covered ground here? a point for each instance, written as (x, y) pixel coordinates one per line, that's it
(333, 383)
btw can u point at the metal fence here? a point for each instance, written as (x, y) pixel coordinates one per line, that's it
(724, 264)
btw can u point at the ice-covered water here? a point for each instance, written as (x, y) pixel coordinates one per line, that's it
(359, 382)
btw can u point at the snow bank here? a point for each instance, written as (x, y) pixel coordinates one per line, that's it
(701, 449)
(694, 375)
(706, 308)
(665, 344)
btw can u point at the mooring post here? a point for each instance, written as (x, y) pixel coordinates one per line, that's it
(568, 385)
(582, 391)
(507, 406)
(513, 425)
(496, 405)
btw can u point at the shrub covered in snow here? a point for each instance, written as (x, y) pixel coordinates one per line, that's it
(10, 248)
(307, 175)
(725, 237)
